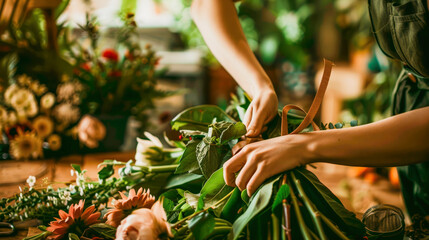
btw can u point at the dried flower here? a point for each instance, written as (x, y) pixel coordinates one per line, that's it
(90, 130)
(67, 90)
(31, 180)
(26, 145)
(110, 54)
(76, 221)
(43, 126)
(66, 113)
(145, 224)
(47, 101)
(125, 206)
(54, 142)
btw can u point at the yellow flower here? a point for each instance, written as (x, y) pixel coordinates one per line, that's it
(54, 142)
(24, 80)
(26, 145)
(47, 101)
(43, 126)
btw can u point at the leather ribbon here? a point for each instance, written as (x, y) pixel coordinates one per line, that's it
(308, 119)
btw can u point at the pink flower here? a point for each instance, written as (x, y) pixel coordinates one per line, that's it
(90, 130)
(110, 54)
(145, 224)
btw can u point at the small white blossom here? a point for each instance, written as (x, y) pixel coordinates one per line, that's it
(25, 214)
(31, 180)
(71, 172)
(20, 189)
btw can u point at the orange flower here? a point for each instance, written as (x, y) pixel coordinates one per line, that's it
(76, 221)
(145, 224)
(126, 205)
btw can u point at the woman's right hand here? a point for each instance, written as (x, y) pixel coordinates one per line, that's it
(262, 110)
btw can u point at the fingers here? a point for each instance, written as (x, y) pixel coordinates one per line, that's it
(232, 166)
(255, 126)
(256, 181)
(245, 174)
(248, 116)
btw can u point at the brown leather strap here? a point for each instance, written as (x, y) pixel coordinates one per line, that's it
(308, 119)
(314, 106)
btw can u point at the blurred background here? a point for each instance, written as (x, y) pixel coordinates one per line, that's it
(90, 50)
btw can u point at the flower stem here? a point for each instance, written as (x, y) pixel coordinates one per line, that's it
(163, 168)
(315, 214)
(295, 204)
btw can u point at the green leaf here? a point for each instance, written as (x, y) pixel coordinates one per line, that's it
(234, 203)
(73, 236)
(188, 162)
(183, 179)
(209, 157)
(200, 205)
(112, 162)
(202, 225)
(327, 203)
(60, 9)
(199, 118)
(77, 168)
(40, 236)
(104, 230)
(234, 131)
(245, 197)
(283, 193)
(258, 202)
(214, 190)
(106, 172)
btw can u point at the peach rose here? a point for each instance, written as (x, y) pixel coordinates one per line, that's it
(90, 131)
(145, 224)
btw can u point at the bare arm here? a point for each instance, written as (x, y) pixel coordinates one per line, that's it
(398, 140)
(218, 22)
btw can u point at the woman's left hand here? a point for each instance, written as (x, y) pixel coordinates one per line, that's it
(261, 160)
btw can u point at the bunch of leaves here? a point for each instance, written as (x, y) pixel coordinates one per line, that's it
(117, 84)
(200, 205)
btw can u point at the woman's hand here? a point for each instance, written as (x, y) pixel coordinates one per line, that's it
(262, 109)
(261, 160)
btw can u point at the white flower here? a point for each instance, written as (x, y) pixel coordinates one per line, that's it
(31, 180)
(71, 173)
(10, 91)
(143, 147)
(21, 98)
(67, 113)
(32, 108)
(3, 114)
(20, 189)
(47, 101)
(72, 188)
(65, 196)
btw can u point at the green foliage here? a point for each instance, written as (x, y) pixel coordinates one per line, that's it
(257, 203)
(202, 225)
(282, 193)
(199, 118)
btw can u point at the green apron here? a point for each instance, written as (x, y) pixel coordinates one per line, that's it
(402, 32)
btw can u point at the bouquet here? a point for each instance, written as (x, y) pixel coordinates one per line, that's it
(117, 84)
(34, 118)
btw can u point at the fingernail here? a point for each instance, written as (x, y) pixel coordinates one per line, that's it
(250, 132)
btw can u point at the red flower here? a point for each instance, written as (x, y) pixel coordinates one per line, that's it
(85, 66)
(76, 220)
(110, 54)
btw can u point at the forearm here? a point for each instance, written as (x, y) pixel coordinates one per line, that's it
(218, 22)
(398, 140)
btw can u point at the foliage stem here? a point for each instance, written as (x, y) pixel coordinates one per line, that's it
(315, 214)
(295, 204)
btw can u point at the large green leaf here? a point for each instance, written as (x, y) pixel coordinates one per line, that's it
(258, 202)
(188, 161)
(199, 118)
(234, 203)
(183, 179)
(327, 203)
(209, 157)
(214, 190)
(234, 131)
(283, 193)
(202, 225)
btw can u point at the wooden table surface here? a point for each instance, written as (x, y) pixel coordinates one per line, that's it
(356, 194)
